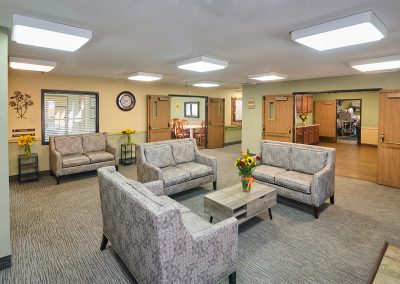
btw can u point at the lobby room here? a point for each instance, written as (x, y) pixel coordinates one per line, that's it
(199, 142)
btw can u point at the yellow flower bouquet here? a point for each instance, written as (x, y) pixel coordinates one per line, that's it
(26, 141)
(128, 132)
(246, 164)
(303, 118)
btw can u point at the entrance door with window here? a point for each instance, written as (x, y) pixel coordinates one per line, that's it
(389, 138)
(158, 118)
(216, 123)
(278, 118)
(325, 116)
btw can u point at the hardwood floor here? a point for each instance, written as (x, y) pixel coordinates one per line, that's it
(354, 160)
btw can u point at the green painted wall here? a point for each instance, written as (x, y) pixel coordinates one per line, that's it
(5, 243)
(179, 112)
(252, 118)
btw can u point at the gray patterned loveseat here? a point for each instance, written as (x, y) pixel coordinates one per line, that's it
(160, 240)
(301, 172)
(178, 163)
(72, 154)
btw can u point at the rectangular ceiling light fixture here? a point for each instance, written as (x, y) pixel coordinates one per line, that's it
(202, 64)
(146, 77)
(356, 29)
(270, 76)
(31, 64)
(206, 84)
(377, 64)
(47, 34)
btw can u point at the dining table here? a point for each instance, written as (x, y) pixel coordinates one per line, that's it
(191, 128)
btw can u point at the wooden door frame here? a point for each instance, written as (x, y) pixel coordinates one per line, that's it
(223, 133)
(293, 118)
(206, 111)
(337, 100)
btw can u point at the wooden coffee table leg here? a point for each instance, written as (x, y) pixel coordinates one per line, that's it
(270, 213)
(211, 219)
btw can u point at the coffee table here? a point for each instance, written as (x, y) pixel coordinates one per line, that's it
(233, 201)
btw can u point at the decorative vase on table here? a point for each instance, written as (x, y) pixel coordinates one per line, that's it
(303, 118)
(246, 164)
(26, 141)
(128, 133)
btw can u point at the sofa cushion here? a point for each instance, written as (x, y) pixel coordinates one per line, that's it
(194, 223)
(173, 175)
(275, 155)
(295, 180)
(267, 173)
(94, 142)
(196, 170)
(75, 160)
(68, 145)
(100, 156)
(307, 161)
(159, 156)
(174, 203)
(183, 152)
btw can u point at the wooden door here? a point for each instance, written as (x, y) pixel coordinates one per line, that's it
(216, 123)
(278, 116)
(158, 118)
(325, 116)
(389, 138)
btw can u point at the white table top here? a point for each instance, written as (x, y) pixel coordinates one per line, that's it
(191, 126)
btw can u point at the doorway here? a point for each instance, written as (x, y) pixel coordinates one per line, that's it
(348, 121)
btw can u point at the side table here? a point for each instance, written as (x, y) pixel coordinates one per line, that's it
(127, 154)
(28, 167)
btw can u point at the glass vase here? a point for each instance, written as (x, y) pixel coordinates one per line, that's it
(128, 137)
(27, 150)
(247, 181)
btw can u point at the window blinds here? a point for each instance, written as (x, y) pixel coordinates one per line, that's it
(69, 113)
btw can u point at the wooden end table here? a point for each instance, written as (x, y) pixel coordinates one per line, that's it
(233, 201)
(28, 168)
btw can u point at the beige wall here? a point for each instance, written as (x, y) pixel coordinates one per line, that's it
(252, 118)
(111, 119)
(5, 244)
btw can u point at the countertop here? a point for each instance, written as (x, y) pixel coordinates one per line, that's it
(300, 126)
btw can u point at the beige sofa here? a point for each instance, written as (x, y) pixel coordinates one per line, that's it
(73, 154)
(300, 172)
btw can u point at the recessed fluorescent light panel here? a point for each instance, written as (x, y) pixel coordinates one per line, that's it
(377, 64)
(270, 76)
(207, 84)
(356, 29)
(202, 64)
(146, 77)
(31, 64)
(47, 34)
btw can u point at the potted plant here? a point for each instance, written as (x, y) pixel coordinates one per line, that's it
(246, 165)
(26, 141)
(128, 133)
(303, 118)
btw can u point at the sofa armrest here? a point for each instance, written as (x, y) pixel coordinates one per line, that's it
(148, 172)
(222, 239)
(55, 162)
(323, 185)
(208, 161)
(111, 149)
(157, 187)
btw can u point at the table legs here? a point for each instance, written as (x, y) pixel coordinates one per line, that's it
(270, 213)
(191, 132)
(211, 219)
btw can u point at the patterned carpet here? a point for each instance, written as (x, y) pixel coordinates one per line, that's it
(56, 233)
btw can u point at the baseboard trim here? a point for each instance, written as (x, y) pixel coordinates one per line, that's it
(5, 262)
(232, 143)
(41, 173)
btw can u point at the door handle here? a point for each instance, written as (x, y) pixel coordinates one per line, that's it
(382, 138)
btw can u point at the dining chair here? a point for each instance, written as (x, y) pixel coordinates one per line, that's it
(200, 134)
(173, 126)
(180, 133)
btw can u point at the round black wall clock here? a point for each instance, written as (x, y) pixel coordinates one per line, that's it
(126, 101)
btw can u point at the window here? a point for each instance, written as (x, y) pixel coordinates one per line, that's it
(69, 112)
(236, 110)
(192, 110)
(271, 110)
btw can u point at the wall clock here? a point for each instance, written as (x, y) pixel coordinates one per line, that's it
(126, 101)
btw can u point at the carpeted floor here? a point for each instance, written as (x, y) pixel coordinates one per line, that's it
(56, 233)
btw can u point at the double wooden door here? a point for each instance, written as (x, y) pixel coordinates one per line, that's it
(216, 123)
(325, 116)
(389, 138)
(278, 116)
(158, 118)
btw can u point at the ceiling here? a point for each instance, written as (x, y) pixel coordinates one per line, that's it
(151, 35)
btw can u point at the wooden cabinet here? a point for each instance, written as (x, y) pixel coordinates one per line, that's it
(307, 134)
(304, 104)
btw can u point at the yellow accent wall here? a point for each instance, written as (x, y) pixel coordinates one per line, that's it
(111, 119)
(252, 118)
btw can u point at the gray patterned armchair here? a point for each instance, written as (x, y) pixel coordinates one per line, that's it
(178, 163)
(70, 154)
(304, 173)
(161, 240)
